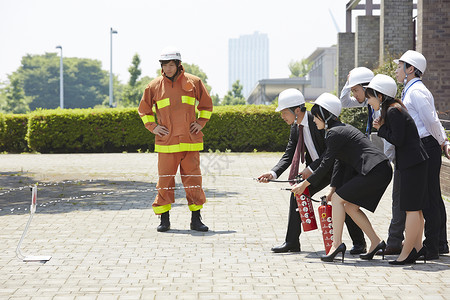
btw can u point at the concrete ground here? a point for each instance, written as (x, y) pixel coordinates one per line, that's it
(95, 219)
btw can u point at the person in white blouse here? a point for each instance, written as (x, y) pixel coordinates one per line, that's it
(420, 104)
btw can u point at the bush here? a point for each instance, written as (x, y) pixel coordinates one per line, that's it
(13, 139)
(240, 128)
(356, 116)
(244, 128)
(2, 131)
(87, 130)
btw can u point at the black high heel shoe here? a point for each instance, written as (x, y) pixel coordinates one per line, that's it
(422, 253)
(330, 257)
(369, 255)
(412, 257)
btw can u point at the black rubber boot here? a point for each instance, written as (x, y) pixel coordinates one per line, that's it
(165, 222)
(196, 223)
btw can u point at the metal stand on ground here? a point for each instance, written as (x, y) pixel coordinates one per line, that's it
(28, 258)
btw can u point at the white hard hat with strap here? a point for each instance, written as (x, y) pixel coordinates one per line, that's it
(170, 53)
(359, 75)
(290, 98)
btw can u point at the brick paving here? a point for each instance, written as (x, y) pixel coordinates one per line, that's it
(95, 220)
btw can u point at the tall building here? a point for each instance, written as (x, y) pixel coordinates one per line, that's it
(248, 60)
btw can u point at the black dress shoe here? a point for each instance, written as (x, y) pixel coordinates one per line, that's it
(330, 257)
(422, 254)
(443, 249)
(358, 249)
(286, 247)
(369, 255)
(411, 259)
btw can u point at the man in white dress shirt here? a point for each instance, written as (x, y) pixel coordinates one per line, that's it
(420, 104)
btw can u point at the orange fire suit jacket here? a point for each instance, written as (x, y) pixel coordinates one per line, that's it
(174, 104)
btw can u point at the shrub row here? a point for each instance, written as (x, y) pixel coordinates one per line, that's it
(241, 128)
(13, 130)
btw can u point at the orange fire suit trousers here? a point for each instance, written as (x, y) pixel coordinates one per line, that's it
(189, 163)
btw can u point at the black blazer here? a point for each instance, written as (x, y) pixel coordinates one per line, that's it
(400, 130)
(318, 137)
(347, 147)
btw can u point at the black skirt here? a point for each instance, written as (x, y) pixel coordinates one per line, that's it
(366, 190)
(414, 187)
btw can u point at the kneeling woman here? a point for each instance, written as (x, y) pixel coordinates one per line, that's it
(411, 159)
(349, 149)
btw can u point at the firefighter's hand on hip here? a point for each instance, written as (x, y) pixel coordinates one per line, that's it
(265, 177)
(161, 130)
(305, 173)
(299, 188)
(195, 128)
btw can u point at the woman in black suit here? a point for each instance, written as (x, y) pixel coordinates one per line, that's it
(349, 149)
(398, 128)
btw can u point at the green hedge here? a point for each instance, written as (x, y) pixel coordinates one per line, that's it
(2, 131)
(244, 128)
(356, 116)
(241, 128)
(87, 130)
(14, 135)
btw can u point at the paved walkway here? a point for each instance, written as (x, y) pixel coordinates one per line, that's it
(96, 222)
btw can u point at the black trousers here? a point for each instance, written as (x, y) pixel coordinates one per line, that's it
(435, 215)
(295, 223)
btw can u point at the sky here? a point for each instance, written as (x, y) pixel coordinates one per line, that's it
(199, 28)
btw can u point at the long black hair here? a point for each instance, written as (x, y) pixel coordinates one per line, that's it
(386, 101)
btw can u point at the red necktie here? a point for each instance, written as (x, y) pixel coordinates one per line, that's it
(299, 155)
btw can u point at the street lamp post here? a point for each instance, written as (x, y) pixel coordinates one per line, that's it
(61, 80)
(112, 31)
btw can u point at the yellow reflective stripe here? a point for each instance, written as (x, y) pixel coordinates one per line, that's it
(148, 118)
(163, 103)
(162, 209)
(181, 147)
(194, 207)
(204, 114)
(188, 100)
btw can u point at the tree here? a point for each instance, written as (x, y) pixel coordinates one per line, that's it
(85, 83)
(215, 99)
(132, 92)
(15, 100)
(299, 68)
(234, 97)
(134, 70)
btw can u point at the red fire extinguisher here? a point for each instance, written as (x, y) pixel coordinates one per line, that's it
(326, 223)
(306, 211)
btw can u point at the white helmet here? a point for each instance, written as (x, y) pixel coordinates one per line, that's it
(415, 59)
(170, 53)
(290, 98)
(330, 102)
(384, 84)
(359, 76)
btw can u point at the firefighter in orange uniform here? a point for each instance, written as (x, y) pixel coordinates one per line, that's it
(178, 135)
